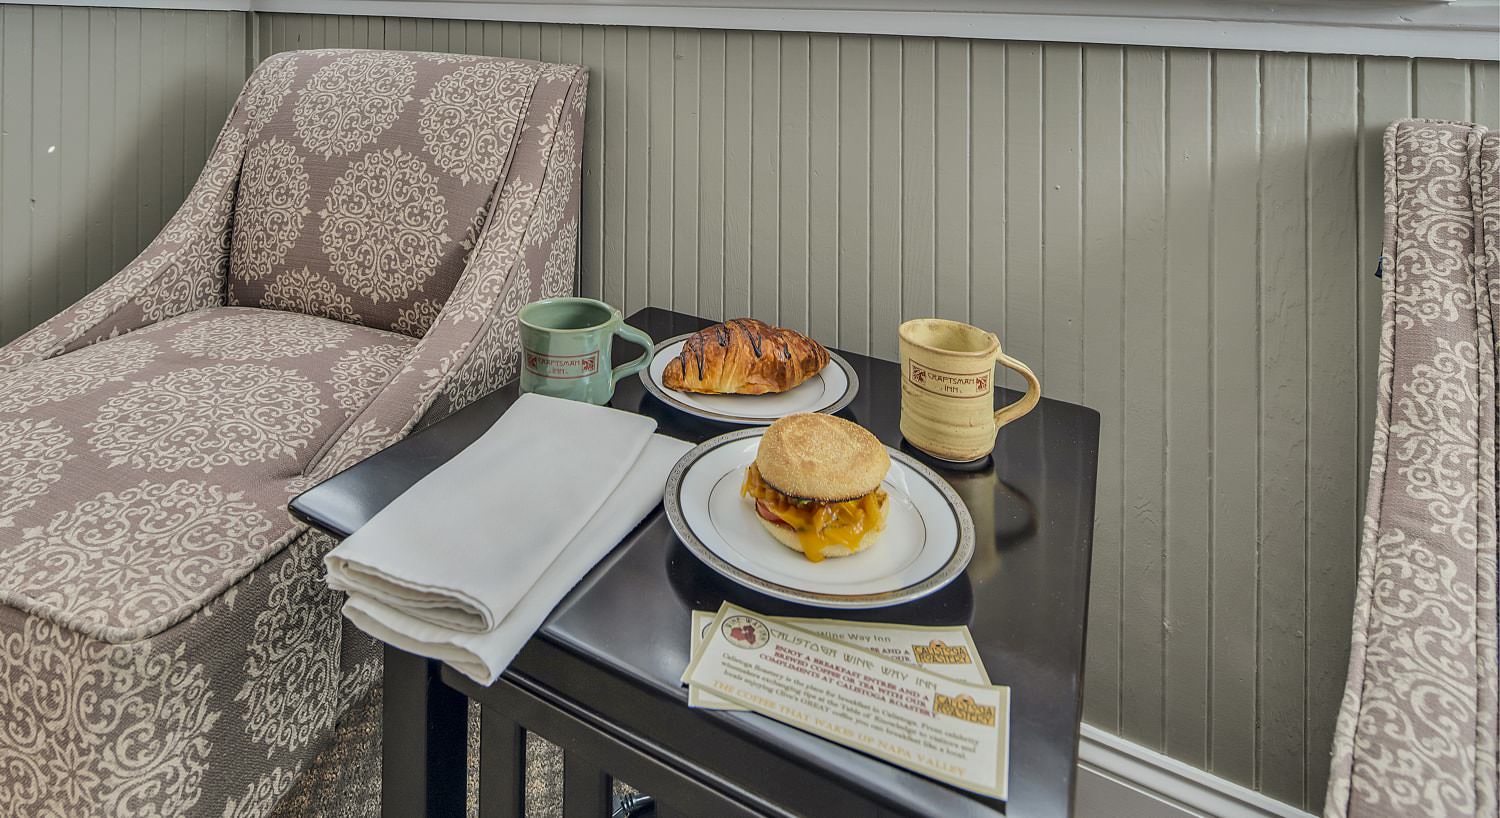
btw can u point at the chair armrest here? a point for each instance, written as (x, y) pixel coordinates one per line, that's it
(183, 269)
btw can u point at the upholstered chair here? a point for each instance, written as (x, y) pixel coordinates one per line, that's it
(352, 260)
(1418, 727)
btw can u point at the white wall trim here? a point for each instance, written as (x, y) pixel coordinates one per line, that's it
(1122, 772)
(181, 5)
(1461, 29)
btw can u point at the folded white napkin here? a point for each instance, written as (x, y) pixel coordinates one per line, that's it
(483, 656)
(459, 549)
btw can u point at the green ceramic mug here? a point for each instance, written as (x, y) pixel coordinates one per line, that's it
(565, 349)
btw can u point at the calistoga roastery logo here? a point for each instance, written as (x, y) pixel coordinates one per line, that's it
(746, 632)
(964, 707)
(938, 652)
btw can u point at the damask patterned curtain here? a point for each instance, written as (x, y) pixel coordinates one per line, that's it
(1416, 733)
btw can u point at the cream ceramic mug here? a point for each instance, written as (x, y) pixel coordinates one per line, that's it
(948, 385)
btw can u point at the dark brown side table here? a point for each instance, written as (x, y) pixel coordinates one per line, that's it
(600, 678)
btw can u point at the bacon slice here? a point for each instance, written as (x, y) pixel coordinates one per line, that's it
(768, 515)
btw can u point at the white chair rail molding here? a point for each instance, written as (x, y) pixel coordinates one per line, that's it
(1458, 29)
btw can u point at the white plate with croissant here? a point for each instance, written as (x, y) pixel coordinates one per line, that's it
(749, 373)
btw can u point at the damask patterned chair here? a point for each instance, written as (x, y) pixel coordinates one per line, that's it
(352, 259)
(1417, 732)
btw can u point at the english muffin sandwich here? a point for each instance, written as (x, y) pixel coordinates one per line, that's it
(816, 485)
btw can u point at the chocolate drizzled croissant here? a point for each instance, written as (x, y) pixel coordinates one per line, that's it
(744, 356)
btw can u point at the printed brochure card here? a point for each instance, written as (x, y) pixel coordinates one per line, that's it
(950, 730)
(947, 650)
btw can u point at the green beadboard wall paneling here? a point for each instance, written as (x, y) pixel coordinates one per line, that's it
(1334, 475)
(1189, 400)
(1101, 325)
(1182, 239)
(106, 117)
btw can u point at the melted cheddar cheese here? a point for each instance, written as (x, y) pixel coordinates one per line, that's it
(819, 525)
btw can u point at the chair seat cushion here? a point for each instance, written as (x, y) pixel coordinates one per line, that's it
(213, 717)
(141, 476)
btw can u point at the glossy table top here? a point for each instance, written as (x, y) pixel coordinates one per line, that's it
(1024, 596)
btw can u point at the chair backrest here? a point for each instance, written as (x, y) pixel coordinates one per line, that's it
(1416, 734)
(366, 178)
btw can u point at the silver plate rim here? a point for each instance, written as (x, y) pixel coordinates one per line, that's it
(664, 395)
(959, 560)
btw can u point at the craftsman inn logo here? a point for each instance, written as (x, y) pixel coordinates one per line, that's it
(937, 652)
(564, 367)
(964, 707)
(948, 384)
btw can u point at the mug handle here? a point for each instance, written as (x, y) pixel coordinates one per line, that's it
(1027, 401)
(637, 337)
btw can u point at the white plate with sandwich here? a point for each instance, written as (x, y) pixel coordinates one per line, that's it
(815, 510)
(747, 372)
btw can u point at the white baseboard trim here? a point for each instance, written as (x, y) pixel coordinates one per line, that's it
(1120, 779)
